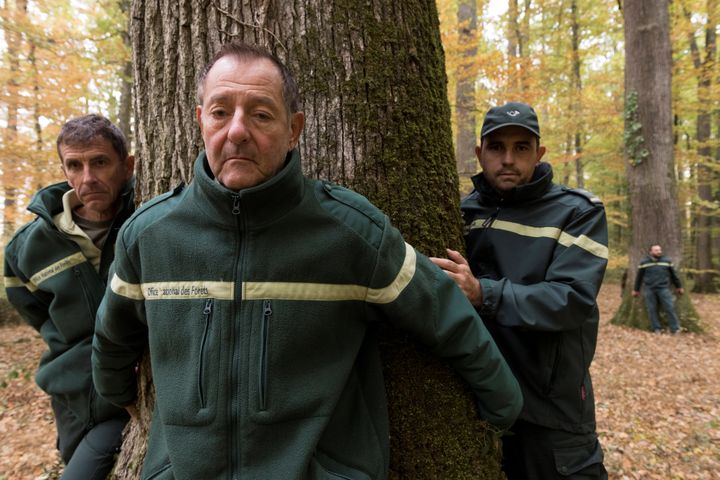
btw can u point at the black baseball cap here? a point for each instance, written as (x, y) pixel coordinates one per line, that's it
(512, 113)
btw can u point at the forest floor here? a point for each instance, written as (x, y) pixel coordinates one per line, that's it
(658, 400)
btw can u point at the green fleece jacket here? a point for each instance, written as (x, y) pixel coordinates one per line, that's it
(540, 255)
(259, 307)
(55, 277)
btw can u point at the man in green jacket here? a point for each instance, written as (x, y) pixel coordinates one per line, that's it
(56, 269)
(655, 274)
(537, 252)
(257, 291)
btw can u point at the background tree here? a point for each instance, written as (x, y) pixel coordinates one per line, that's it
(700, 50)
(466, 76)
(649, 150)
(378, 121)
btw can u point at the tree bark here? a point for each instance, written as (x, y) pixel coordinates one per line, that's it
(378, 121)
(465, 104)
(650, 167)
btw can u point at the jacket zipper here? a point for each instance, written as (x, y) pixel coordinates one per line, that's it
(234, 403)
(86, 294)
(262, 375)
(207, 316)
(489, 221)
(555, 366)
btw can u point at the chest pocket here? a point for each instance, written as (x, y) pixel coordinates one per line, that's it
(185, 341)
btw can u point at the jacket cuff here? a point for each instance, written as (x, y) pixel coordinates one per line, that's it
(490, 297)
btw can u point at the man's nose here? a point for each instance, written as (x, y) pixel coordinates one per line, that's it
(238, 132)
(88, 175)
(508, 158)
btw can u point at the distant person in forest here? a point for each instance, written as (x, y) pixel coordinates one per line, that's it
(655, 274)
(258, 291)
(56, 269)
(537, 252)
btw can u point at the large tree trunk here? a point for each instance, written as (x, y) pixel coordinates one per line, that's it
(378, 121)
(650, 167)
(465, 104)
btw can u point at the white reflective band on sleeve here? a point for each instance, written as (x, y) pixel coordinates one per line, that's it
(57, 267)
(334, 292)
(13, 282)
(563, 238)
(656, 264)
(120, 287)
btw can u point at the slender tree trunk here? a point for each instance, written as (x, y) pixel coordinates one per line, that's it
(706, 177)
(378, 121)
(465, 103)
(577, 94)
(10, 163)
(650, 166)
(125, 106)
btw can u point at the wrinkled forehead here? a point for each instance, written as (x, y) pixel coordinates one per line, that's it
(239, 72)
(95, 146)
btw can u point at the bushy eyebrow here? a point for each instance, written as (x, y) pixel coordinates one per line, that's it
(254, 99)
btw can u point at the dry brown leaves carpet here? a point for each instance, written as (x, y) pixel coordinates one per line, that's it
(658, 397)
(658, 400)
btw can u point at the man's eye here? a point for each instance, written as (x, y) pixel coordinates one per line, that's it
(218, 113)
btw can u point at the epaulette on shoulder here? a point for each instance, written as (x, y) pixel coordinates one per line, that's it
(162, 197)
(589, 196)
(146, 212)
(355, 201)
(20, 231)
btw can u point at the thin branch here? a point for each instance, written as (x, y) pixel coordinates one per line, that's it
(251, 25)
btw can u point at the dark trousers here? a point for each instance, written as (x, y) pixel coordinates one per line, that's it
(532, 452)
(662, 296)
(89, 454)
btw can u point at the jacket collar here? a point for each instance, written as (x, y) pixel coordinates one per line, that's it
(540, 183)
(49, 202)
(252, 207)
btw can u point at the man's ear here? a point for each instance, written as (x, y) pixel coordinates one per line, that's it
(129, 166)
(297, 122)
(198, 115)
(62, 165)
(541, 152)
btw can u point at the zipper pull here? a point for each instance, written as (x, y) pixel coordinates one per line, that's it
(489, 221)
(208, 307)
(236, 205)
(267, 309)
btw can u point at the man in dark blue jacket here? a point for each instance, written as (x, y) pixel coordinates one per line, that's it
(537, 252)
(655, 274)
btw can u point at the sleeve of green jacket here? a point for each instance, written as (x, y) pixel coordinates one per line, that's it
(120, 335)
(28, 305)
(437, 313)
(566, 298)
